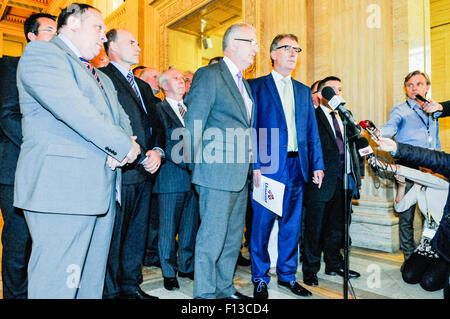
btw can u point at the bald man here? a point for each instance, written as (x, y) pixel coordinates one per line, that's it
(131, 225)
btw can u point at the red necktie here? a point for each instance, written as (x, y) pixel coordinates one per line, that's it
(92, 69)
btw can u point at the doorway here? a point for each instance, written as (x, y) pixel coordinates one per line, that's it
(196, 38)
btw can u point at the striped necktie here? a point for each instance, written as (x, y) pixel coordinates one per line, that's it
(181, 109)
(92, 69)
(130, 79)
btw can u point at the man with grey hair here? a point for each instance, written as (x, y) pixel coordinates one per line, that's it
(177, 202)
(220, 100)
(76, 135)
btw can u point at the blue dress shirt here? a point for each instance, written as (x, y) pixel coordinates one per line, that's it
(410, 125)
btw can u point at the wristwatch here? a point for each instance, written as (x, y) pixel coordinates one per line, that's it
(160, 152)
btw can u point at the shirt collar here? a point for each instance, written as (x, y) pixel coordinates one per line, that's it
(326, 109)
(278, 77)
(70, 44)
(174, 102)
(231, 66)
(122, 70)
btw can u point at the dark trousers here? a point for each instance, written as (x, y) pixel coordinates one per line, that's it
(324, 231)
(16, 250)
(151, 252)
(178, 214)
(406, 226)
(431, 273)
(124, 270)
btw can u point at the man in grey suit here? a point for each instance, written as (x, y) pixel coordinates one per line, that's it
(177, 202)
(219, 119)
(75, 135)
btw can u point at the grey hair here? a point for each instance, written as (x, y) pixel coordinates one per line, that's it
(232, 31)
(164, 77)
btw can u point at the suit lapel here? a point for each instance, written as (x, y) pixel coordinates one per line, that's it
(58, 42)
(165, 106)
(325, 123)
(229, 80)
(249, 92)
(124, 82)
(65, 48)
(272, 87)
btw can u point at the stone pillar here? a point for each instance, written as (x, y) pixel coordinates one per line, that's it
(271, 18)
(371, 46)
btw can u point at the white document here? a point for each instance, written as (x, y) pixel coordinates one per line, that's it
(270, 195)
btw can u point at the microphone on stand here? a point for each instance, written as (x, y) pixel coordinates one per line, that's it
(336, 102)
(363, 147)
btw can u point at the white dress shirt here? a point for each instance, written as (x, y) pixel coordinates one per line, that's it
(234, 71)
(174, 105)
(279, 83)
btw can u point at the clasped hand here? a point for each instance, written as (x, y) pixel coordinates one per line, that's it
(130, 158)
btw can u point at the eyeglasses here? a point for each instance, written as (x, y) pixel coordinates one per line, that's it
(288, 48)
(253, 42)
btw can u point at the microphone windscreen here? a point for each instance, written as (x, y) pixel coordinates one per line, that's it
(364, 124)
(361, 143)
(328, 93)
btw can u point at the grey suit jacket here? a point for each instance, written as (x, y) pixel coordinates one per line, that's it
(216, 111)
(70, 125)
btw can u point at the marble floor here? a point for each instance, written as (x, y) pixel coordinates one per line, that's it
(380, 279)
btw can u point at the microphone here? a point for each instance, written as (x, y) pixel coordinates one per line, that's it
(363, 147)
(337, 102)
(370, 128)
(436, 114)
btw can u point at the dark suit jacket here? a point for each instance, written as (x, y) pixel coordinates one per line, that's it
(439, 162)
(446, 109)
(10, 120)
(269, 114)
(146, 126)
(331, 160)
(173, 175)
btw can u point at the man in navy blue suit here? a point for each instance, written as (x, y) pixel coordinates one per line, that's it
(283, 105)
(177, 202)
(15, 236)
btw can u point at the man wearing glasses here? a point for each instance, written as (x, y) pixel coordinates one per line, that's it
(220, 100)
(284, 104)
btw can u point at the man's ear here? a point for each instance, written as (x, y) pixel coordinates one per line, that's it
(31, 36)
(73, 22)
(273, 55)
